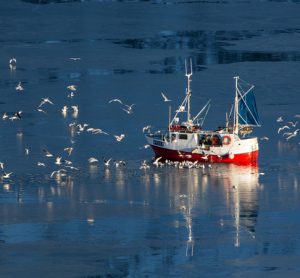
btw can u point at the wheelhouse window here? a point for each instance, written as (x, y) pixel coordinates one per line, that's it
(183, 136)
(173, 137)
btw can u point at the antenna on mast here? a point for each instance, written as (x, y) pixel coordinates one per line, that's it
(188, 90)
(227, 121)
(236, 106)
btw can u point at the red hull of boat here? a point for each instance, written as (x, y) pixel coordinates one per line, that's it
(241, 159)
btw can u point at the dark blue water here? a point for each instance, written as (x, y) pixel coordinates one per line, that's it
(97, 221)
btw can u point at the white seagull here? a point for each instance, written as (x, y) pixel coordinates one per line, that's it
(75, 109)
(41, 164)
(92, 160)
(119, 138)
(146, 127)
(96, 131)
(68, 150)
(6, 175)
(283, 128)
(71, 95)
(293, 124)
(145, 147)
(293, 134)
(115, 100)
(157, 160)
(5, 116)
(279, 119)
(58, 172)
(72, 88)
(41, 110)
(45, 100)
(164, 97)
(47, 153)
(129, 109)
(64, 110)
(106, 162)
(144, 165)
(19, 87)
(58, 160)
(13, 63)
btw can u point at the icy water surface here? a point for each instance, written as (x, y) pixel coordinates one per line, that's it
(97, 221)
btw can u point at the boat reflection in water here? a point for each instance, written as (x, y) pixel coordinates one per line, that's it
(221, 202)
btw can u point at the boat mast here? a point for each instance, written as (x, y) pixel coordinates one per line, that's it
(236, 107)
(188, 90)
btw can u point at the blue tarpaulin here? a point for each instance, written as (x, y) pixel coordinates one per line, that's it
(248, 114)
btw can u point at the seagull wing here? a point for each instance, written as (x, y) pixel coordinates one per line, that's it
(157, 159)
(164, 97)
(115, 100)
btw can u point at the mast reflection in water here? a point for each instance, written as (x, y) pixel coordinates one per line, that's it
(226, 193)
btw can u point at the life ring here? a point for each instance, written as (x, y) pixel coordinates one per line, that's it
(226, 140)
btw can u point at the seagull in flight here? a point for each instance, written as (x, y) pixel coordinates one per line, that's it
(13, 63)
(115, 100)
(6, 175)
(283, 128)
(19, 87)
(164, 97)
(5, 116)
(279, 119)
(64, 110)
(92, 160)
(42, 111)
(144, 165)
(96, 131)
(129, 107)
(45, 100)
(68, 150)
(145, 147)
(75, 110)
(72, 87)
(119, 138)
(26, 151)
(146, 127)
(58, 160)
(16, 116)
(264, 138)
(71, 95)
(106, 162)
(128, 110)
(47, 153)
(157, 160)
(119, 162)
(41, 164)
(58, 172)
(75, 58)
(293, 124)
(293, 134)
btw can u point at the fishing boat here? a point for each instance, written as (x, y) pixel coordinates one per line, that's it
(185, 139)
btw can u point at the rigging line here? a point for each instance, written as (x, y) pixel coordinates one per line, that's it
(182, 104)
(202, 110)
(245, 82)
(231, 109)
(249, 110)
